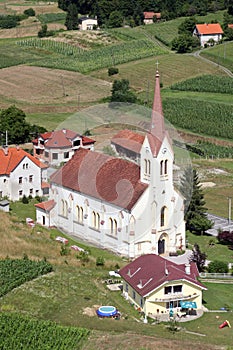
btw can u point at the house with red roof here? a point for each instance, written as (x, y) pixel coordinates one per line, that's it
(21, 174)
(208, 32)
(156, 285)
(128, 207)
(128, 143)
(150, 15)
(58, 146)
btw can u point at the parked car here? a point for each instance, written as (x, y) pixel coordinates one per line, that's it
(77, 248)
(30, 222)
(62, 240)
(114, 274)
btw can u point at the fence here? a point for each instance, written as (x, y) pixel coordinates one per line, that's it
(216, 275)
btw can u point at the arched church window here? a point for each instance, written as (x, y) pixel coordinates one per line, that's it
(163, 215)
(161, 167)
(165, 167)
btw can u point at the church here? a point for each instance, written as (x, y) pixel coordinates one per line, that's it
(130, 208)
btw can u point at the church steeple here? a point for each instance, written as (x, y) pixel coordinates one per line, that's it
(157, 119)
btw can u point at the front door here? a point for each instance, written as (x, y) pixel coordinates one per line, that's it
(161, 246)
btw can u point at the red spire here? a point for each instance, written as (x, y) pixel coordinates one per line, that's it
(157, 119)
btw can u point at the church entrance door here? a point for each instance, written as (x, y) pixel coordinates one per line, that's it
(161, 246)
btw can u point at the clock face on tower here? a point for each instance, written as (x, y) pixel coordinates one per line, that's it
(164, 150)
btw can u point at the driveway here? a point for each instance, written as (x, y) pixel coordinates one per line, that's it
(220, 223)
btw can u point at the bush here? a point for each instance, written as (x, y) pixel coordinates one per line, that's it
(25, 200)
(9, 21)
(113, 71)
(217, 266)
(100, 261)
(29, 12)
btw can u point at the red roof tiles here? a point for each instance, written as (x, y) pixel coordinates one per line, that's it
(129, 140)
(62, 139)
(150, 271)
(150, 15)
(103, 177)
(12, 158)
(209, 28)
(47, 206)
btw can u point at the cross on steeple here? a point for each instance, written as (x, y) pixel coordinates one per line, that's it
(157, 65)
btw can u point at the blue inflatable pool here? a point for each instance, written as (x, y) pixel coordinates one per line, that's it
(107, 311)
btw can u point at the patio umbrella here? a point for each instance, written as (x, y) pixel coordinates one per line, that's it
(188, 304)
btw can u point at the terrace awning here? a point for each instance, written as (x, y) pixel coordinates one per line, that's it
(188, 304)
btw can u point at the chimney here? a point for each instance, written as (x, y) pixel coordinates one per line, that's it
(17, 147)
(64, 131)
(187, 269)
(5, 150)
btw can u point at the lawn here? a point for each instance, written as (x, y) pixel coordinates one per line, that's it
(217, 296)
(221, 54)
(214, 251)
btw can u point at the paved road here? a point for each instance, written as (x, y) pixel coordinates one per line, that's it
(197, 54)
(220, 223)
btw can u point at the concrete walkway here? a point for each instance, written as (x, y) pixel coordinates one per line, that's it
(180, 259)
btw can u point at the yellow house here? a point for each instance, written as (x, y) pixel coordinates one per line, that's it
(157, 286)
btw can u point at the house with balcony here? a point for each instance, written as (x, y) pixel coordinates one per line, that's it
(21, 174)
(58, 146)
(156, 285)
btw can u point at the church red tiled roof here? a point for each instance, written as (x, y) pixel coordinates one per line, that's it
(150, 271)
(11, 157)
(129, 139)
(103, 177)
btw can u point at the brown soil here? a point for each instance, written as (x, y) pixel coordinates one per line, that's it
(132, 341)
(50, 87)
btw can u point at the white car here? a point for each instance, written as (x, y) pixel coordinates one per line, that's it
(77, 248)
(61, 240)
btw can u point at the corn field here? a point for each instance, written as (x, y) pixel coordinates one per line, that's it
(76, 59)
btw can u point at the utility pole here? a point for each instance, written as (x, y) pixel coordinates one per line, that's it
(229, 210)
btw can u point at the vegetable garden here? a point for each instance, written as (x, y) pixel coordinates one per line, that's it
(14, 272)
(19, 332)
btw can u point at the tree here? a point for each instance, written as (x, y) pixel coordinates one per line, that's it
(30, 12)
(187, 26)
(217, 266)
(13, 120)
(121, 92)
(115, 19)
(195, 211)
(198, 257)
(71, 22)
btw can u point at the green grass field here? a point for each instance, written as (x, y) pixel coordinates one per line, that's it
(221, 54)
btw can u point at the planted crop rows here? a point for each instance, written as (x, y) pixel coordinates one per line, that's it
(210, 150)
(18, 332)
(87, 61)
(214, 119)
(206, 83)
(14, 272)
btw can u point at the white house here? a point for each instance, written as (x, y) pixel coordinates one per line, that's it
(58, 146)
(117, 204)
(150, 15)
(208, 31)
(21, 174)
(158, 286)
(87, 23)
